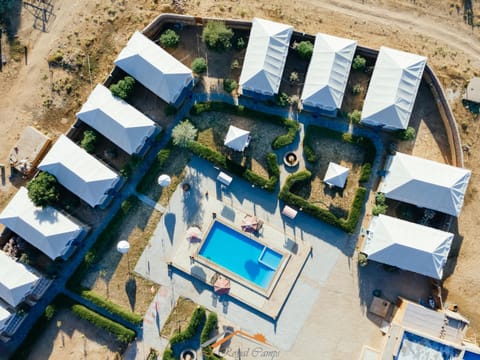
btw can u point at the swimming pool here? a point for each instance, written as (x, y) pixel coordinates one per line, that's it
(415, 347)
(240, 255)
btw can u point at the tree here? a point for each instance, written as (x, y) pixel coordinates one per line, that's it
(199, 65)
(43, 190)
(305, 49)
(229, 85)
(169, 39)
(216, 35)
(184, 133)
(123, 88)
(89, 140)
(355, 116)
(407, 134)
(359, 63)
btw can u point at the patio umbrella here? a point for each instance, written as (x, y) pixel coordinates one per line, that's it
(221, 285)
(250, 223)
(123, 246)
(164, 180)
(193, 233)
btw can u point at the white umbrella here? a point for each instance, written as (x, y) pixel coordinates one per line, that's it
(193, 233)
(164, 180)
(122, 247)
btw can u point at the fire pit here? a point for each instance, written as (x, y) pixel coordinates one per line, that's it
(290, 159)
(188, 354)
(185, 186)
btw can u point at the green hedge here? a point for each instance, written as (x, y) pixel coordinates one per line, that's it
(210, 324)
(112, 307)
(197, 320)
(122, 333)
(347, 225)
(220, 160)
(291, 126)
(146, 183)
(168, 354)
(365, 173)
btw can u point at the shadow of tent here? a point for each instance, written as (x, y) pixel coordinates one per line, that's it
(228, 213)
(131, 290)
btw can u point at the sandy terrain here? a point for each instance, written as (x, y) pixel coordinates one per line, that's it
(429, 27)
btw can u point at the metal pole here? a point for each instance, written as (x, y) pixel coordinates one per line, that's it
(1, 57)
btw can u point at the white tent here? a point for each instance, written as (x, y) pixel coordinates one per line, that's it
(45, 228)
(393, 89)
(328, 72)
(79, 171)
(266, 56)
(117, 120)
(237, 139)
(407, 245)
(16, 281)
(336, 175)
(5, 317)
(425, 183)
(155, 68)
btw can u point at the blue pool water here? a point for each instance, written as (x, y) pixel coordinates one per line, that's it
(241, 255)
(471, 356)
(415, 347)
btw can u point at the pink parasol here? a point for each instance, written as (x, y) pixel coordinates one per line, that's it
(193, 233)
(250, 223)
(221, 285)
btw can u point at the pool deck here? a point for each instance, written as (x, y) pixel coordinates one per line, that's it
(185, 260)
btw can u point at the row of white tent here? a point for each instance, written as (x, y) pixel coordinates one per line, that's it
(391, 94)
(426, 184)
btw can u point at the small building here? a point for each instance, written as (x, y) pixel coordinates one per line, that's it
(45, 228)
(29, 151)
(155, 69)
(425, 183)
(117, 120)
(393, 89)
(265, 59)
(471, 98)
(237, 139)
(408, 246)
(327, 74)
(80, 172)
(336, 175)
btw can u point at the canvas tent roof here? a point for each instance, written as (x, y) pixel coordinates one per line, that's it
(237, 139)
(79, 171)
(426, 183)
(45, 228)
(16, 281)
(117, 120)
(328, 71)
(393, 89)
(407, 245)
(266, 55)
(153, 67)
(336, 175)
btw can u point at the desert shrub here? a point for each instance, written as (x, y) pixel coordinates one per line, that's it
(362, 259)
(407, 134)
(293, 78)
(122, 333)
(184, 133)
(43, 189)
(216, 35)
(198, 318)
(240, 44)
(50, 311)
(169, 39)
(89, 141)
(229, 85)
(355, 116)
(359, 63)
(199, 65)
(235, 64)
(282, 99)
(123, 88)
(379, 209)
(305, 49)
(357, 89)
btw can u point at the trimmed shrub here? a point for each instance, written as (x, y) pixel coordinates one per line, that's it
(168, 354)
(216, 35)
(184, 133)
(198, 318)
(122, 333)
(89, 141)
(305, 49)
(355, 116)
(365, 173)
(357, 89)
(169, 39)
(209, 326)
(289, 137)
(241, 44)
(199, 65)
(379, 209)
(359, 63)
(43, 189)
(282, 99)
(407, 134)
(123, 88)
(50, 311)
(229, 85)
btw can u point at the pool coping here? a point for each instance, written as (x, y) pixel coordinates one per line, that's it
(235, 277)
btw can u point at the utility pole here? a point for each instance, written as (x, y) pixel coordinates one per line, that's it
(1, 55)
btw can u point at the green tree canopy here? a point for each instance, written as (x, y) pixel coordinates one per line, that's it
(216, 35)
(199, 65)
(169, 39)
(123, 88)
(184, 133)
(43, 190)
(305, 49)
(89, 140)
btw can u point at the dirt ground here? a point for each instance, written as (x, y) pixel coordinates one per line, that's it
(69, 337)
(99, 29)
